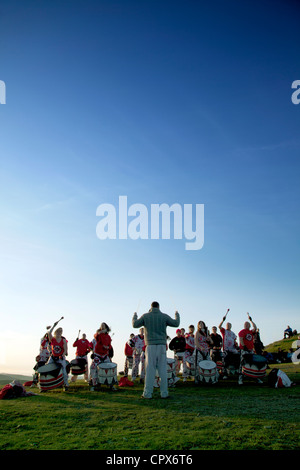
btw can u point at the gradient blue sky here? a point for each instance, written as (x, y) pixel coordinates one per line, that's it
(164, 102)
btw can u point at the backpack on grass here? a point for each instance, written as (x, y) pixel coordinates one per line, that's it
(278, 379)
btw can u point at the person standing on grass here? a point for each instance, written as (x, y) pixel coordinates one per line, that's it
(189, 351)
(229, 337)
(59, 351)
(83, 347)
(102, 346)
(246, 337)
(128, 351)
(230, 347)
(155, 330)
(177, 345)
(138, 356)
(202, 342)
(216, 346)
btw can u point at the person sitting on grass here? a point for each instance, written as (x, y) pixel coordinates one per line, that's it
(288, 332)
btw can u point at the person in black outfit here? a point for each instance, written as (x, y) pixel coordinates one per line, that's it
(177, 344)
(258, 345)
(215, 347)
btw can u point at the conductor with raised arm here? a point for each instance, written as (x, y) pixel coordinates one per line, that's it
(155, 331)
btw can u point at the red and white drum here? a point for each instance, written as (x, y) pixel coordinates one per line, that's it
(254, 366)
(170, 368)
(179, 356)
(190, 364)
(50, 376)
(78, 366)
(208, 372)
(107, 373)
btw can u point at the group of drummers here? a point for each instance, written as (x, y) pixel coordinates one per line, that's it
(52, 368)
(203, 356)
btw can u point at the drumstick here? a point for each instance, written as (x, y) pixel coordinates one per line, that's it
(139, 304)
(59, 320)
(55, 323)
(227, 312)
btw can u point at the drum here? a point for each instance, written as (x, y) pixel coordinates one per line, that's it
(179, 356)
(107, 373)
(170, 368)
(254, 366)
(78, 366)
(190, 364)
(208, 372)
(232, 362)
(50, 376)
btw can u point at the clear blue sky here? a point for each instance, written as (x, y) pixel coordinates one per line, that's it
(162, 101)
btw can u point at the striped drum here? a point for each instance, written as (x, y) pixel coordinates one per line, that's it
(50, 376)
(78, 366)
(254, 366)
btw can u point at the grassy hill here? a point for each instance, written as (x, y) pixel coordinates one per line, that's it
(7, 378)
(284, 344)
(224, 416)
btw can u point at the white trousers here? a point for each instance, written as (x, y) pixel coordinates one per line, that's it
(156, 359)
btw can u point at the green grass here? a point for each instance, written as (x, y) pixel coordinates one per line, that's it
(6, 378)
(223, 416)
(284, 344)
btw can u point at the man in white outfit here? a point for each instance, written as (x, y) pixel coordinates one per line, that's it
(155, 330)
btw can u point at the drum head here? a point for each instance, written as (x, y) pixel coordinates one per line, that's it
(48, 368)
(259, 359)
(207, 365)
(107, 365)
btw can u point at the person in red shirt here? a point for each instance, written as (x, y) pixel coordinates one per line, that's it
(101, 351)
(128, 351)
(59, 351)
(246, 338)
(83, 347)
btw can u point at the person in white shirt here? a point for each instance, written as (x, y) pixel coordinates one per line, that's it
(138, 356)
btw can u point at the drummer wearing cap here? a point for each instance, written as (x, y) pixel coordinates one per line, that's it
(155, 330)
